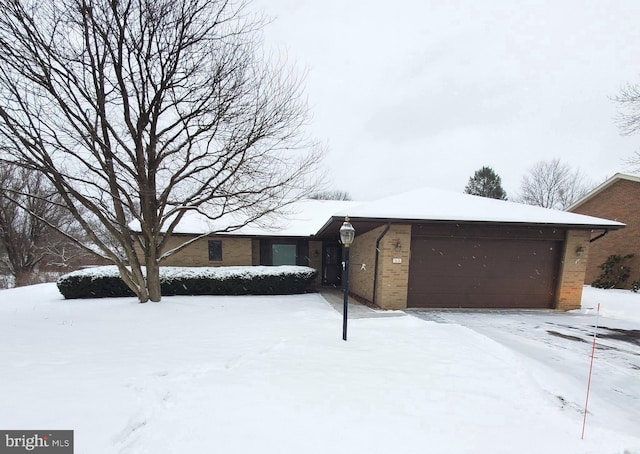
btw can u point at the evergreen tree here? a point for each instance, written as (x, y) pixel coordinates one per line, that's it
(486, 183)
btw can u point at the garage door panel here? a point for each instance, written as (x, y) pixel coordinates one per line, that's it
(455, 272)
(486, 301)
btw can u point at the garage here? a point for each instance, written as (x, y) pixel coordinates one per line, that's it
(479, 266)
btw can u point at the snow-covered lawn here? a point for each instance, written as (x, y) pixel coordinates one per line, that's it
(272, 375)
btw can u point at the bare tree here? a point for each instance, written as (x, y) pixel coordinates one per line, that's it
(553, 184)
(628, 118)
(140, 111)
(28, 243)
(335, 194)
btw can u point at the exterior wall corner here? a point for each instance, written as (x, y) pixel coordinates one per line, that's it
(392, 281)
(572, 270)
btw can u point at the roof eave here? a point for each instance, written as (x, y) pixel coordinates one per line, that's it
(565, 225)
(601, 187)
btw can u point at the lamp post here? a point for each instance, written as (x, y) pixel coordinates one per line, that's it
(347, 234)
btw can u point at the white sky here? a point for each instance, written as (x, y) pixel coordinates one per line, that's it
(417, 93)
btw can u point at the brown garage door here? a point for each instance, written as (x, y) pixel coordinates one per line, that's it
(483, 273)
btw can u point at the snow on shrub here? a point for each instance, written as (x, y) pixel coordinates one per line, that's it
(105, 281)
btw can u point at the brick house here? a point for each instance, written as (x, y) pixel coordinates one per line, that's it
(618, 198)
(422, 249)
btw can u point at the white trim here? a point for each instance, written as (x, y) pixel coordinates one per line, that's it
(597, 190)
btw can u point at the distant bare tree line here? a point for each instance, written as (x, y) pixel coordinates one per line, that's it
(31, 216)
(553, 184)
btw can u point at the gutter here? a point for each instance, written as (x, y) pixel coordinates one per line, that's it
(599, 236)
(375, 268)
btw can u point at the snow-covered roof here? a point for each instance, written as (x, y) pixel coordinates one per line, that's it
(598, 189)
(307, 218)
(300, 219)
(439, 205)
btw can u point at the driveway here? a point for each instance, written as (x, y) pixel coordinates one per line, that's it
(556, 349)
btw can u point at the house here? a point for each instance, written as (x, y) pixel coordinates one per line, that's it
(422, 249)
(618, 198)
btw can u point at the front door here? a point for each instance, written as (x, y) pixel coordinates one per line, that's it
(331, 264)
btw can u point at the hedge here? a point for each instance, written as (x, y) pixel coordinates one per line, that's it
(103, 282)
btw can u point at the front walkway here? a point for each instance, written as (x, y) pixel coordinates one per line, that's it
(335, 297)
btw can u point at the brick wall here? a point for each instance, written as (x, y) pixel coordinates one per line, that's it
(393, 278)
(572, 270)
(235, 251)
(363, 252)
(619, 202)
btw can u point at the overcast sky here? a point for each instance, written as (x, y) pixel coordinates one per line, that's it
(415, 93)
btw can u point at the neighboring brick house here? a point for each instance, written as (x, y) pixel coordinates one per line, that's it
(422, 249)
(618, 198)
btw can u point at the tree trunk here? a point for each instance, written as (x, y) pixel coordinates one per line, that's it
(134, 279)
(153, 280)
(23, 278)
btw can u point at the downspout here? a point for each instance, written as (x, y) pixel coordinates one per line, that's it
(599, 236)
(375, 267)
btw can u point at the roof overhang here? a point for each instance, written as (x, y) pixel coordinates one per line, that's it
(598, 189)
(363, 225)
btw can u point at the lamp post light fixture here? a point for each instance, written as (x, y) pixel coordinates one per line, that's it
(347, 234)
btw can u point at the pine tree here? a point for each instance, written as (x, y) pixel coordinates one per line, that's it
(486, 183)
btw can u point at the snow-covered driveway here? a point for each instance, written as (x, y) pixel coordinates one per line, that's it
(557, 349)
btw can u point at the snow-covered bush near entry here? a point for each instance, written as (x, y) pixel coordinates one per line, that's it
(225, 280)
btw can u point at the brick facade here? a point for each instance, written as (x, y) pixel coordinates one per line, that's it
(620, 201)
(362, 264)
(235, 251)
(393, 275)
(572, 270)
(393, 270)
(393, 278)
(393, 263)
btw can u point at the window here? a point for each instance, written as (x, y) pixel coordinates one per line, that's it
(284, 251)
(215, 251)
(283, 254)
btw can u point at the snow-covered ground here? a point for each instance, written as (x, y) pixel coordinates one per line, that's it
(557, 346)
(272, 375)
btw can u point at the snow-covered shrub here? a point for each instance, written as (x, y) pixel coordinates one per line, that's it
(614, 272)
(98, 282)
(228, 280)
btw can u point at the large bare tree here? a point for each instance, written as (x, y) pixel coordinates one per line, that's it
(141, 111)
(28, 240)
(628, 118)
(553, 184)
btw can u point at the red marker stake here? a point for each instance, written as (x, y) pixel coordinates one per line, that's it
(593, 350)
